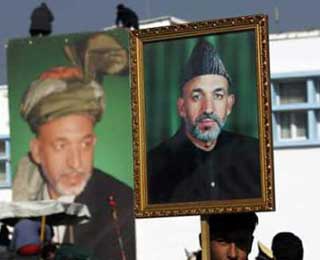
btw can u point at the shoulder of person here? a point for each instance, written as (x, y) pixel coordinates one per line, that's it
(170, 145)
(101, 186)
(239, 138)
(101, 178)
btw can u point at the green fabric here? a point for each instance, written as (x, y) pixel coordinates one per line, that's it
(69, 251)
(163, 66)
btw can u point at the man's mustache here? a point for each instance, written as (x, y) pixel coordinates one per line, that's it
(74, 173)
(211, 116)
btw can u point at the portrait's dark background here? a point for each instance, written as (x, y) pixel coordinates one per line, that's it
(163, 62)
(28, 58)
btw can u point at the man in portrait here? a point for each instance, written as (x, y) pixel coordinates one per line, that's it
(202, 161)
(62, 109)
(231, 235)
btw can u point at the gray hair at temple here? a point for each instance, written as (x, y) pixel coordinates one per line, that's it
(203, 60)
(59, 92)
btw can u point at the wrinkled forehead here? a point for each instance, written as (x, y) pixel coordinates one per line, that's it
(209, 82)
(74, 125)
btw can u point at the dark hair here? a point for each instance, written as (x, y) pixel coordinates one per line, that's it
(231, 222)
(287, 246)
(120, 6)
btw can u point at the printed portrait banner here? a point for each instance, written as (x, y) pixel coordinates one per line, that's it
(28, 58)
(71, 134)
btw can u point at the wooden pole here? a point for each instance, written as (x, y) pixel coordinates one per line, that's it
(71, 234)
(205, 238)
(43, 229)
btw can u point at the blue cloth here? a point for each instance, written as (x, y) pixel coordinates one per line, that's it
(27, 232)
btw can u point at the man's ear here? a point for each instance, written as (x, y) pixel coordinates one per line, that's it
(35, 150)
(230, 103)
(181, 107)
(94, 140)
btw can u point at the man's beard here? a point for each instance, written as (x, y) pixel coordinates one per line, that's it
(211, 133)
(64, 189)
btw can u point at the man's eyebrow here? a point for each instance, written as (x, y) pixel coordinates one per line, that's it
(58, 139)
(219, 89)
(197, 90)
(65, 139)
(88, 136)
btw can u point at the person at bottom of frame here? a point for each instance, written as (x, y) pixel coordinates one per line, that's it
(62, 110)
(202, 161)
(287, 246)
(231, 236)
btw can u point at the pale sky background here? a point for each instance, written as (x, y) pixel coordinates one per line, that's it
(84, 15)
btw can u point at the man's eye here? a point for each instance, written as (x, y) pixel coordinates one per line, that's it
(196, 97)
(218, 96)
(59, 146)
(87, 143)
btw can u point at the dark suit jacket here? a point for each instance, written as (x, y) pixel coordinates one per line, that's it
(100, 234)
(178, 171)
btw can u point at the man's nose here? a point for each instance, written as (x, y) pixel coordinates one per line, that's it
(208, 105)
(74, 158)
(232, 251)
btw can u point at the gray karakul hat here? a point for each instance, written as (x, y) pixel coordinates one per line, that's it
(203, 60)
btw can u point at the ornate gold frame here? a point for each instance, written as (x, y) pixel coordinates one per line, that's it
(257, 23)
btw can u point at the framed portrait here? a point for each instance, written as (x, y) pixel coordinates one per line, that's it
(201, 118)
